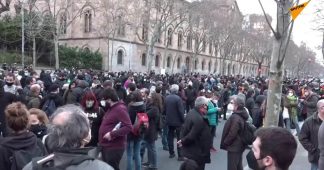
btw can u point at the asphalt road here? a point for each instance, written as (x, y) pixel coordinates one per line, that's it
(219, 158)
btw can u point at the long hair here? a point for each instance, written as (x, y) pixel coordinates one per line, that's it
(89, 95)
(156, 99)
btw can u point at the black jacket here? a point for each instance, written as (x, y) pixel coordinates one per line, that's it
(5, 99)
(95, 118)
(133, 109)
(58, 100)
(196, 138)
(152, 132)
(24, 141)
(310, 103)
(308, 137)
(231, 140)
(174, 110)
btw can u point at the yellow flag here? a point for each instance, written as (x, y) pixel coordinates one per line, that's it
(295, 11)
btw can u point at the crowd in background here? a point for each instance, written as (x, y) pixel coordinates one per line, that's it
(173, 103)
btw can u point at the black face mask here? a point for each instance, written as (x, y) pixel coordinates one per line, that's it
(39, 130)
(118, 86)
(253, 162)
(9, 84)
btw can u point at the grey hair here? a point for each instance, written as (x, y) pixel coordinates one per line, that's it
(319, 103)
(201, 100)
(67, 134)
(174, 88)
(239, 101)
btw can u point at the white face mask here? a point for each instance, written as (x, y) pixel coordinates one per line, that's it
(103, 103)
(89, 103)
(290, 94)
(230, 107)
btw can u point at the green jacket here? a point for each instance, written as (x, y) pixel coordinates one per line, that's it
(212, 114)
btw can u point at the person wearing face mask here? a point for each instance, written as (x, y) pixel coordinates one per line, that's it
(112, 138)
(121, 91)
(195, 137)
(94, 113)
(291, 102)
(10, 86)
(38, 122)
(273, 149)
(68, 134)
(231, 141)
(309, 103)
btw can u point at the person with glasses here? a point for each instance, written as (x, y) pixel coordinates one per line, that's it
(308, 136)
(231, 141)
(195, 136)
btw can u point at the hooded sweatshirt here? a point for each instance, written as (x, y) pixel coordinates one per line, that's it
(24, 141)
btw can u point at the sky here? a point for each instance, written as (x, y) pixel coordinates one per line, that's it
(304, 27)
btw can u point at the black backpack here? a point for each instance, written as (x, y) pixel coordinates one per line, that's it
(247, 133)
(49, 107)
(47, 163)
(20, 158)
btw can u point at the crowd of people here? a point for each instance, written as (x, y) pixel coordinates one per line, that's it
(85, 119)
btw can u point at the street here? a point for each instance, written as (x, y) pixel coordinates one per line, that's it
(219, 158)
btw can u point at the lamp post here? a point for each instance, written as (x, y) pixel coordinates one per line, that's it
(22, 34)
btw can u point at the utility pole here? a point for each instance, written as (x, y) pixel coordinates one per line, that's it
(22, 34)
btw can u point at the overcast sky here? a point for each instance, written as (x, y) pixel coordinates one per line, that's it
(304, 24)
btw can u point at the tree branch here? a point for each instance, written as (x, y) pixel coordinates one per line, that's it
(268, 22)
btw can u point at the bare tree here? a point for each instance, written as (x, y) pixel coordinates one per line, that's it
(280, 43)
(4, 6)
(58, 15)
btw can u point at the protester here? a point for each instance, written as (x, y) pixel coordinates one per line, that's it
(309, 103)
(212, 116)
(112, 138)
(174, 110)
(273, 149)
(38, 122)
(6, 98)
(10, 86)
(291, 103)
(134, 140)
(35, 98)
(195, 139)
(66, 142)
(94, 113)
(17, 149)
(308, 136)
(231, 141)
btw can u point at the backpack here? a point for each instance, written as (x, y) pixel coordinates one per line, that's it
(49, 107)
(247, 133)
(20, 158)
(47, 163)
(141, 124)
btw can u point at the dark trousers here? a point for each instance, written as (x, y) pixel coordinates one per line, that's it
(112, 156)
(224, 111)
(213, 133)
(172, 130)
(234, 161)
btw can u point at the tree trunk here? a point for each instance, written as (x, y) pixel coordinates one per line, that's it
(323, 45)
(276, 67)
(56, 50)
(259, 69)
(34, 52)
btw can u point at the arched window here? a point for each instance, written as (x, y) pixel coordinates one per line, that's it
(187, 62)
(144, 32)
(209, 66)
(196, 43)
(86, 49)
(143, 59)
(196, 64)
(203, 65)
(215, 67)
(169, 62)
(178, 62)
(63, 24)
(87, 21)
(121, 26)
(204, 45)
(169, 37)
(210, 47)
(120, 56)
(180, 39)
(157, 61)
(189, 42)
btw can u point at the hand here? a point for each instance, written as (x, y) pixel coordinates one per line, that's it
(179, 143)
(107, 136)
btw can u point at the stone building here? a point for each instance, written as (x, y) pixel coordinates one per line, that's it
(122, 49)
